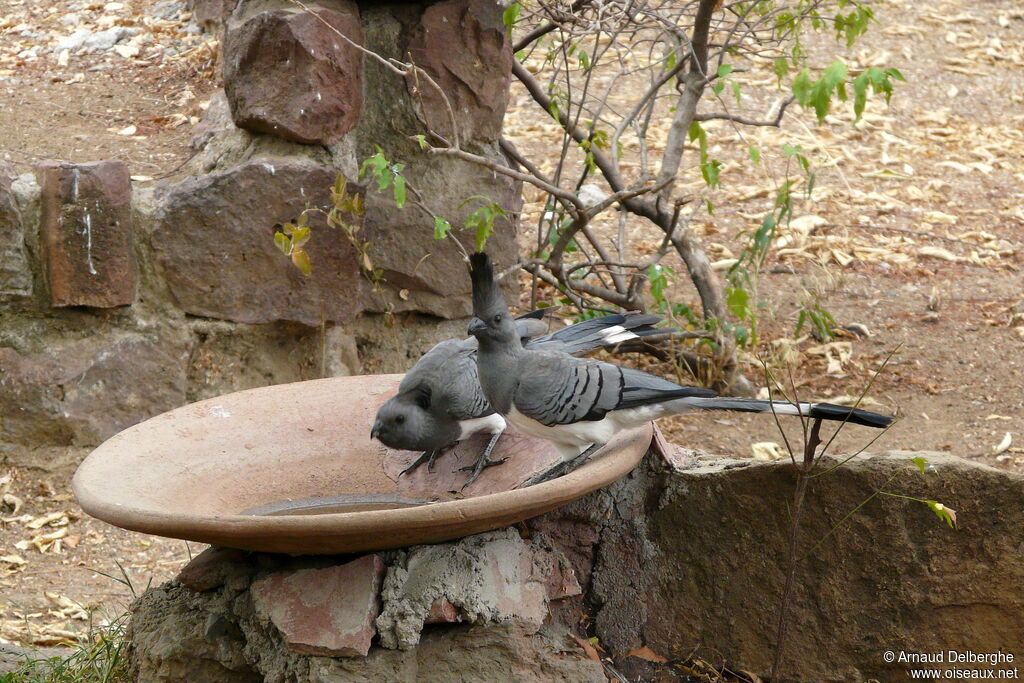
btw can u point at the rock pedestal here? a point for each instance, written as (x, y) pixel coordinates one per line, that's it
(241, 616)
(682, 562)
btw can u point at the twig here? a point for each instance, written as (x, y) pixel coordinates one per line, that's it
(810, 447)
(745, 121)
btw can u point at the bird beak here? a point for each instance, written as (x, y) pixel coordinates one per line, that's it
(375, 432)
(476, 326)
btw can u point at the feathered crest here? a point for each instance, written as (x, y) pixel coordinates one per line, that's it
(487, 299)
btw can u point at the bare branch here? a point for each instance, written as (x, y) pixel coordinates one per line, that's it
(511, 173)
(749, 122)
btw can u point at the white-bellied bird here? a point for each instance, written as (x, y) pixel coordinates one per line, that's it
(578, 404)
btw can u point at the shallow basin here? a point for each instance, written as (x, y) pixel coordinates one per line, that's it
(291, 468)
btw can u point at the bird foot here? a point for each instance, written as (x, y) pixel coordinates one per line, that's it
(482, 463)
(427, 457)
(562, 468)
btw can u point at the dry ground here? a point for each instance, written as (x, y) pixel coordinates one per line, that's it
(952, 139)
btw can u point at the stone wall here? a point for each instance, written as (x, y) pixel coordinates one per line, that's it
(685, 556)
(120, 301)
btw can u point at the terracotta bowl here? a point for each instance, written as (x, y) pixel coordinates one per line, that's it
(292, 469)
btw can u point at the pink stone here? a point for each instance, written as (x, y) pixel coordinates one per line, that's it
(442, 611)
(327, 611)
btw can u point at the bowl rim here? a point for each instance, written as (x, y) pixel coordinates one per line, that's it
(614, 460)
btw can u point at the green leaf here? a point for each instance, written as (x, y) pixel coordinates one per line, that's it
(860, 94)
(724, 70)
(441, 228)
(755, 154)
(821, 92)
(741, 335)
(711, 171)
(947, 515)
(399, 190)
(301, 260)
(781, 68)
(802, 87)
(584, 60)
(283, 243)
(422, 140)
(920, 462)
(738, 300)
(300, 236)
(736, 91)
(483, 231)
(510, 15)
(659, 276)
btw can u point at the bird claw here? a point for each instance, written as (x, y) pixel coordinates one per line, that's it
(426, 457)
(561, 468)
(482, 463)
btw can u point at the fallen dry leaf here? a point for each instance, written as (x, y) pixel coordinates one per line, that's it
(647, 654)
(588, 648)
(938, 252)
(59, 518)
(767, 450)
(1004, 445)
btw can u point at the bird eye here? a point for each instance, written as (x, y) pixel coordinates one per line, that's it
(498, 318)
(399, 419)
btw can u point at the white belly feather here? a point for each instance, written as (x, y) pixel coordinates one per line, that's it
(493, 423)
(571, 439)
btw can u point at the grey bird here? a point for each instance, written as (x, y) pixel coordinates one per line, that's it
(439, 401)
(579, 404)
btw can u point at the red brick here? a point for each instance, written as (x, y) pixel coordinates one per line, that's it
(86, 233)
(327, 611)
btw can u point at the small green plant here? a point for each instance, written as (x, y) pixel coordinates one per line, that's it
(810, 464)
(388, 174)
(290, 239)
(101, 658)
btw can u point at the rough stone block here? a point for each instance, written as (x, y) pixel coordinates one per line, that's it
(214, 238)
(15, 275)
(212, 567)
(464, 46)
(84, 391)
(289, 75)
(328, 611)
(210, 15)
(432, 273)
(86, 233)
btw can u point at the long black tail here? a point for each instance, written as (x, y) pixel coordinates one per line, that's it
(825, 411)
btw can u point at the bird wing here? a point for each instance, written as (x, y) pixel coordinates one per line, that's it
(459, 387)
(556, 389)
